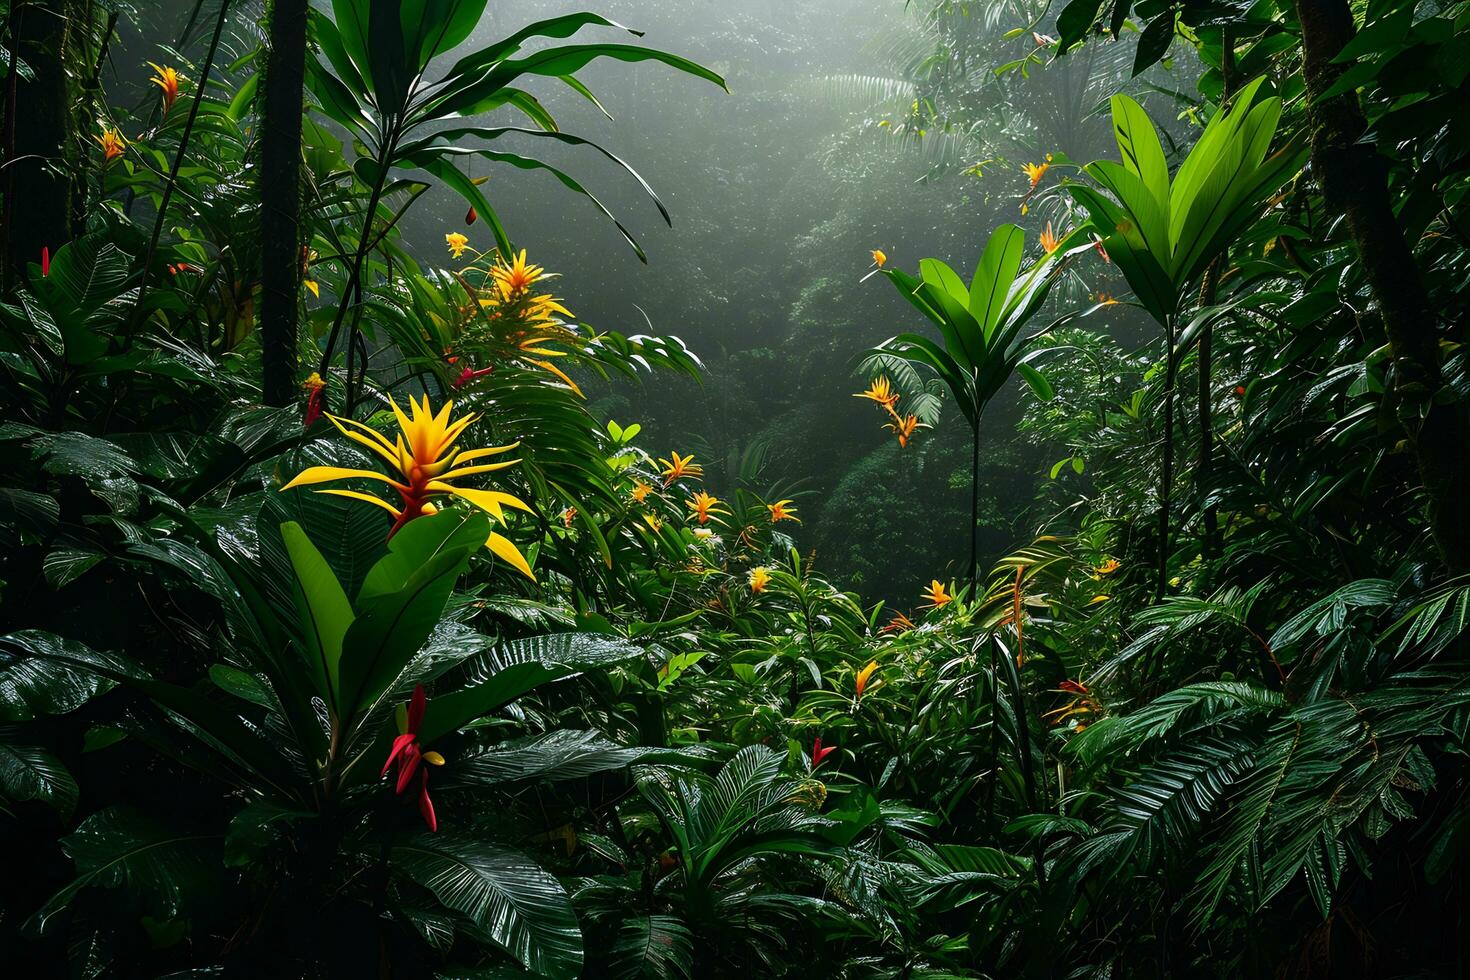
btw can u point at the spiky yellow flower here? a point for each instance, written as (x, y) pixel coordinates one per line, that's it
(427, 458)
(880, 258)
(517, 277)
(457, 243)
(760, 577)
(880, 391)
(677, 467)
(1049, 239)
(166, 79)
(937, 596)
(860, 683)
(1035, 171)
(112, 144)
(782, 510)
(1107, 568)
(641, 491)
(703, 506)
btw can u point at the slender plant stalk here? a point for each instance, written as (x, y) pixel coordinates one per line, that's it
(1166, 480)
(173, 173)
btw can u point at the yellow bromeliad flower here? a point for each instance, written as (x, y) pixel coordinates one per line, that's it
(1107, 568)
(760, 577)
(880, 391)
(677, 467)
(166, 79)
(112, 144)
(860, 684)
(517, 277)
(427, 457)
(937, 596)
(782, 510)
(457, 243)
(704, 506)
(1035, 171)
(641, 491)
(509, 321)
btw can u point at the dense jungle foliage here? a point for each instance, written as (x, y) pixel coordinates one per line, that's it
(1013, 524)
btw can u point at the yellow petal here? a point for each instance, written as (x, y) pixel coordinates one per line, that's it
(374, 441)
(365, 496)
(507, 551)
(490, 500)
(475, 454)
(325, 474)
(433, 758)
(472, 470)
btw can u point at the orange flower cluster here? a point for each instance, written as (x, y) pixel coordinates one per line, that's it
(880, 392)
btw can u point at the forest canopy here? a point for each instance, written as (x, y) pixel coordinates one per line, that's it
(912, 489)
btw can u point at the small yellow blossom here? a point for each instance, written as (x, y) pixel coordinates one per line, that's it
(903, 428)
(456, 242)
(937, 596)
(1107, 568)
(641, 491)
(760, 577)
(677, 467)
(166, 79)
(860, 684)
(112, 144)
(704, 506)
(1035, 171)
(782, 511)
(880, 391)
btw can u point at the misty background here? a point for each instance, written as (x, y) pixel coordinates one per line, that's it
(778, 192)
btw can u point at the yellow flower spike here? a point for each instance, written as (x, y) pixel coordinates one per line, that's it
(433, 758)
(1107, 568)
(1035, 171)
(641, 491)
(677, 467)
(880, 391)
(1049, 239)
(937, 596)
(860, 684)
(516, 277)
(759, 578)
(166, 79)
(782, 511)
(112, 143)
(457, 243)
(426, 458)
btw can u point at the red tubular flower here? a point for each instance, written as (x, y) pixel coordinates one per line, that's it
(468, 375)
(409, 754)
(819, 753)
(45, 261)
(470, 216)
(316, 400)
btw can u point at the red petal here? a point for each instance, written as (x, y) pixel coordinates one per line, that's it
(407, 766)
(416, 707)
(399, 744)
(45, 260)
(426, 805)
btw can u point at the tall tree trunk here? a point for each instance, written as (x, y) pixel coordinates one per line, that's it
(38, 140)
(1354, 181)
(280, 199)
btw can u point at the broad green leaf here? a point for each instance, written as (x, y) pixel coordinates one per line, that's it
(518, 905)
(324, 610)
